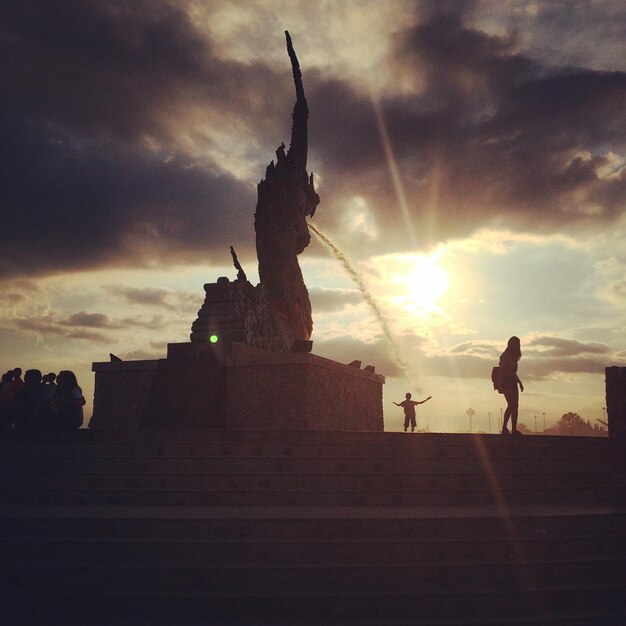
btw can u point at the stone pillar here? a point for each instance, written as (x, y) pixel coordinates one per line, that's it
(616, 400)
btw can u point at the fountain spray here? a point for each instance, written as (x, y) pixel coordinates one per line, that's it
(374, 306)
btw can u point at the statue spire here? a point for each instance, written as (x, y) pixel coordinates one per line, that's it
(298, 148)
(295, 68)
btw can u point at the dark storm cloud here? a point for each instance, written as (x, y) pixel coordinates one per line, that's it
(117, 68)
(70, 206)
(97, 98)
(93, 97)
(494, 137)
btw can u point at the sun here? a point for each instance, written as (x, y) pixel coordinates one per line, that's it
(420, 282)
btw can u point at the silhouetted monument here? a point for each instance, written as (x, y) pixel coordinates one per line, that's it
(615, 378)
(285, 199)
(248, 361)
(277, 312)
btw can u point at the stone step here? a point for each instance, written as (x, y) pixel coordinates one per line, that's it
(177, 579)
(321, 437)
(217, 435)
(539, 495)
(313, 480)
(141, 552)
(586, 605)
(262, 464)
(299, 523)
(410, 447)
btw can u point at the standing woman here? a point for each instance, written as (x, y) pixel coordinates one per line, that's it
(508, 371)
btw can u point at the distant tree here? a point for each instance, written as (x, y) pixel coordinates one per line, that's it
(523, 428)
(574, 424)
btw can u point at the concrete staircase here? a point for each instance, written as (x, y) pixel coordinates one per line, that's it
(255, 527)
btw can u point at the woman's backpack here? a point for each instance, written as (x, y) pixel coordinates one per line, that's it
(496, 378)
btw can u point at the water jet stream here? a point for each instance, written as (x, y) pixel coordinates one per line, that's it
(374, 306)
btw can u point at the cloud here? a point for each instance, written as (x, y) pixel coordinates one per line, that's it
(490, 136)
(49, 325)
(152, 296)
(476, 349)
(103, 167)
(74, 325)
(328, 300)
(141, 355)
(558, 347)
(129, 71)
(617, 289)
(546, 357)
(74, 209)
(90, 336)
(156, 297)
(92, 320)
(131, 140)
(12, 298)
(156, 322)
(348, 349)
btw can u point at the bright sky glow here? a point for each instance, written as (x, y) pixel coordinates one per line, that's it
(413, 282)
(424, 284)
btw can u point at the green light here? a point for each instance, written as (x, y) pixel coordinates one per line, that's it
(213, 338)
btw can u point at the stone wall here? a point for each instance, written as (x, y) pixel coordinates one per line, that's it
(188, 390)
(616, 400)
(236, 386)
(301, 392)
(121, 391)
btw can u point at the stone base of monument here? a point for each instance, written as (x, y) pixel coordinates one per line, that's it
(235, 385)
(616, 401)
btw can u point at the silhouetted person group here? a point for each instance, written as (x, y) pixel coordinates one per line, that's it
(40, 406)
(506, 381)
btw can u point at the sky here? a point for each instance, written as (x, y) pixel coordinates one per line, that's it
(470, 158)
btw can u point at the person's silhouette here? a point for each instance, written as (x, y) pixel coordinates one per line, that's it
(509, 385)
(409, 410)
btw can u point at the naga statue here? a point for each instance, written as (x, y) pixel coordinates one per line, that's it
(286, 197)
(276, 314)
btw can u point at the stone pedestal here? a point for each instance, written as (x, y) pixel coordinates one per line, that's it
(299, 392)
(615, 378)
(121, 391)
(234, 385)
